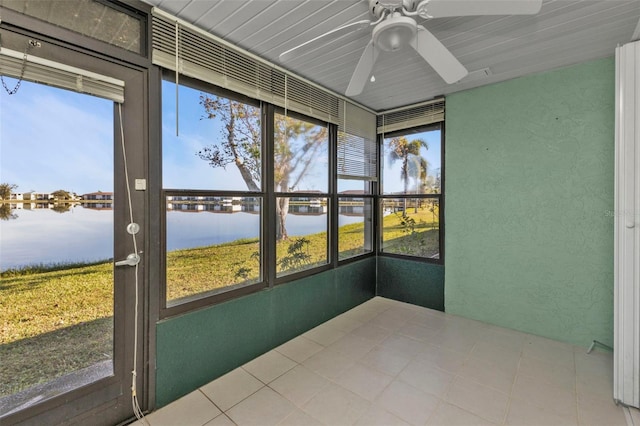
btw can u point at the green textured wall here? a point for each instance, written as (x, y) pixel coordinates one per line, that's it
(197, 347)
(413, 282)
(529, 179)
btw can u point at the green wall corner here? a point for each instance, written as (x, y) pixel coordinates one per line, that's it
(529, 184)
(196, 348)
(411, 281)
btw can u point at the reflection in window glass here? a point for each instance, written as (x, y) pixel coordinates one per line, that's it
(218, 146)
(301, 156)
(213, 244)
(410, 226)
(354, 227)
(302, 226)
(411, 164)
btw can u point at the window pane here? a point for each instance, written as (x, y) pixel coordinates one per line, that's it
(412, 163)
(56, 242)
(355, 227)
(301, 233)
(91, 18)
(411, 226)
(218, 146)
(213, 245)
(301, 157)
(353, 187)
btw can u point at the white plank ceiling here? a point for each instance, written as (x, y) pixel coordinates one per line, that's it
(565, 32)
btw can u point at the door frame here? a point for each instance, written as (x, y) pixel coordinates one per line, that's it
(107, 400)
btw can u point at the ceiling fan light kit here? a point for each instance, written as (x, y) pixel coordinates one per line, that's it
(394, 27)
(394, 33)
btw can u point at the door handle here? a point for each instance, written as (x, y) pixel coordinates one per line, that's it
(132, 260)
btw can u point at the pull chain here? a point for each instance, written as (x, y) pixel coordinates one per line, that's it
(29, 44)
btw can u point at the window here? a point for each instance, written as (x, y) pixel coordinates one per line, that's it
(355, 215)
(301, 182)
(92, 18)
(291, 174)
(356, 164)
(355, 226)
(410, 204)
(212, 180)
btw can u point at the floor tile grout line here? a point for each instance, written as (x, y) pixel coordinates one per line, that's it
(207, 396)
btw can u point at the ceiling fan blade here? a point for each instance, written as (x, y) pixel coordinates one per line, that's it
(363, 70)
(322, 39)
(438, 56)
(447, 8)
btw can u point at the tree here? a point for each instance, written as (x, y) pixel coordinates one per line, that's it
(295, 144)
(242, 141)
(6, 189)
(6, 213)
(61, 194)
(413, 164)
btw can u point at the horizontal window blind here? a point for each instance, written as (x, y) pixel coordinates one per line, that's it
(205, 57)
(414, 116)
(40, 70)
(357, 147)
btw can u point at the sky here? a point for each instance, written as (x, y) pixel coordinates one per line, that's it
(54, 139)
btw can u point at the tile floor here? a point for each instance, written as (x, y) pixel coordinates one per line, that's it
(390, 363)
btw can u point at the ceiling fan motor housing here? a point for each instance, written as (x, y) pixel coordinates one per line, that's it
(378, 7)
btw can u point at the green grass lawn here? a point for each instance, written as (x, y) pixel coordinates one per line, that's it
(414, 233)
(57, 321)
(53, 322)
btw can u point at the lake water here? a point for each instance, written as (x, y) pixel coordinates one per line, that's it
(44, 236)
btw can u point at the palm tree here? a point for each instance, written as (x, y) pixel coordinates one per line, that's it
(413, 164)
(408, 151)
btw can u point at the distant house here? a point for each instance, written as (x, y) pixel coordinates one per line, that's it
(41, 196)
(306, 196)
(22, 196)
(98, 196)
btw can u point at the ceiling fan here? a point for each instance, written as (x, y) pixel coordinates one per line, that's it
(395, 26)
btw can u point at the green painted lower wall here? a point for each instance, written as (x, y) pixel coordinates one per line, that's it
(410, 281)
(195, 348)
(529, 184)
